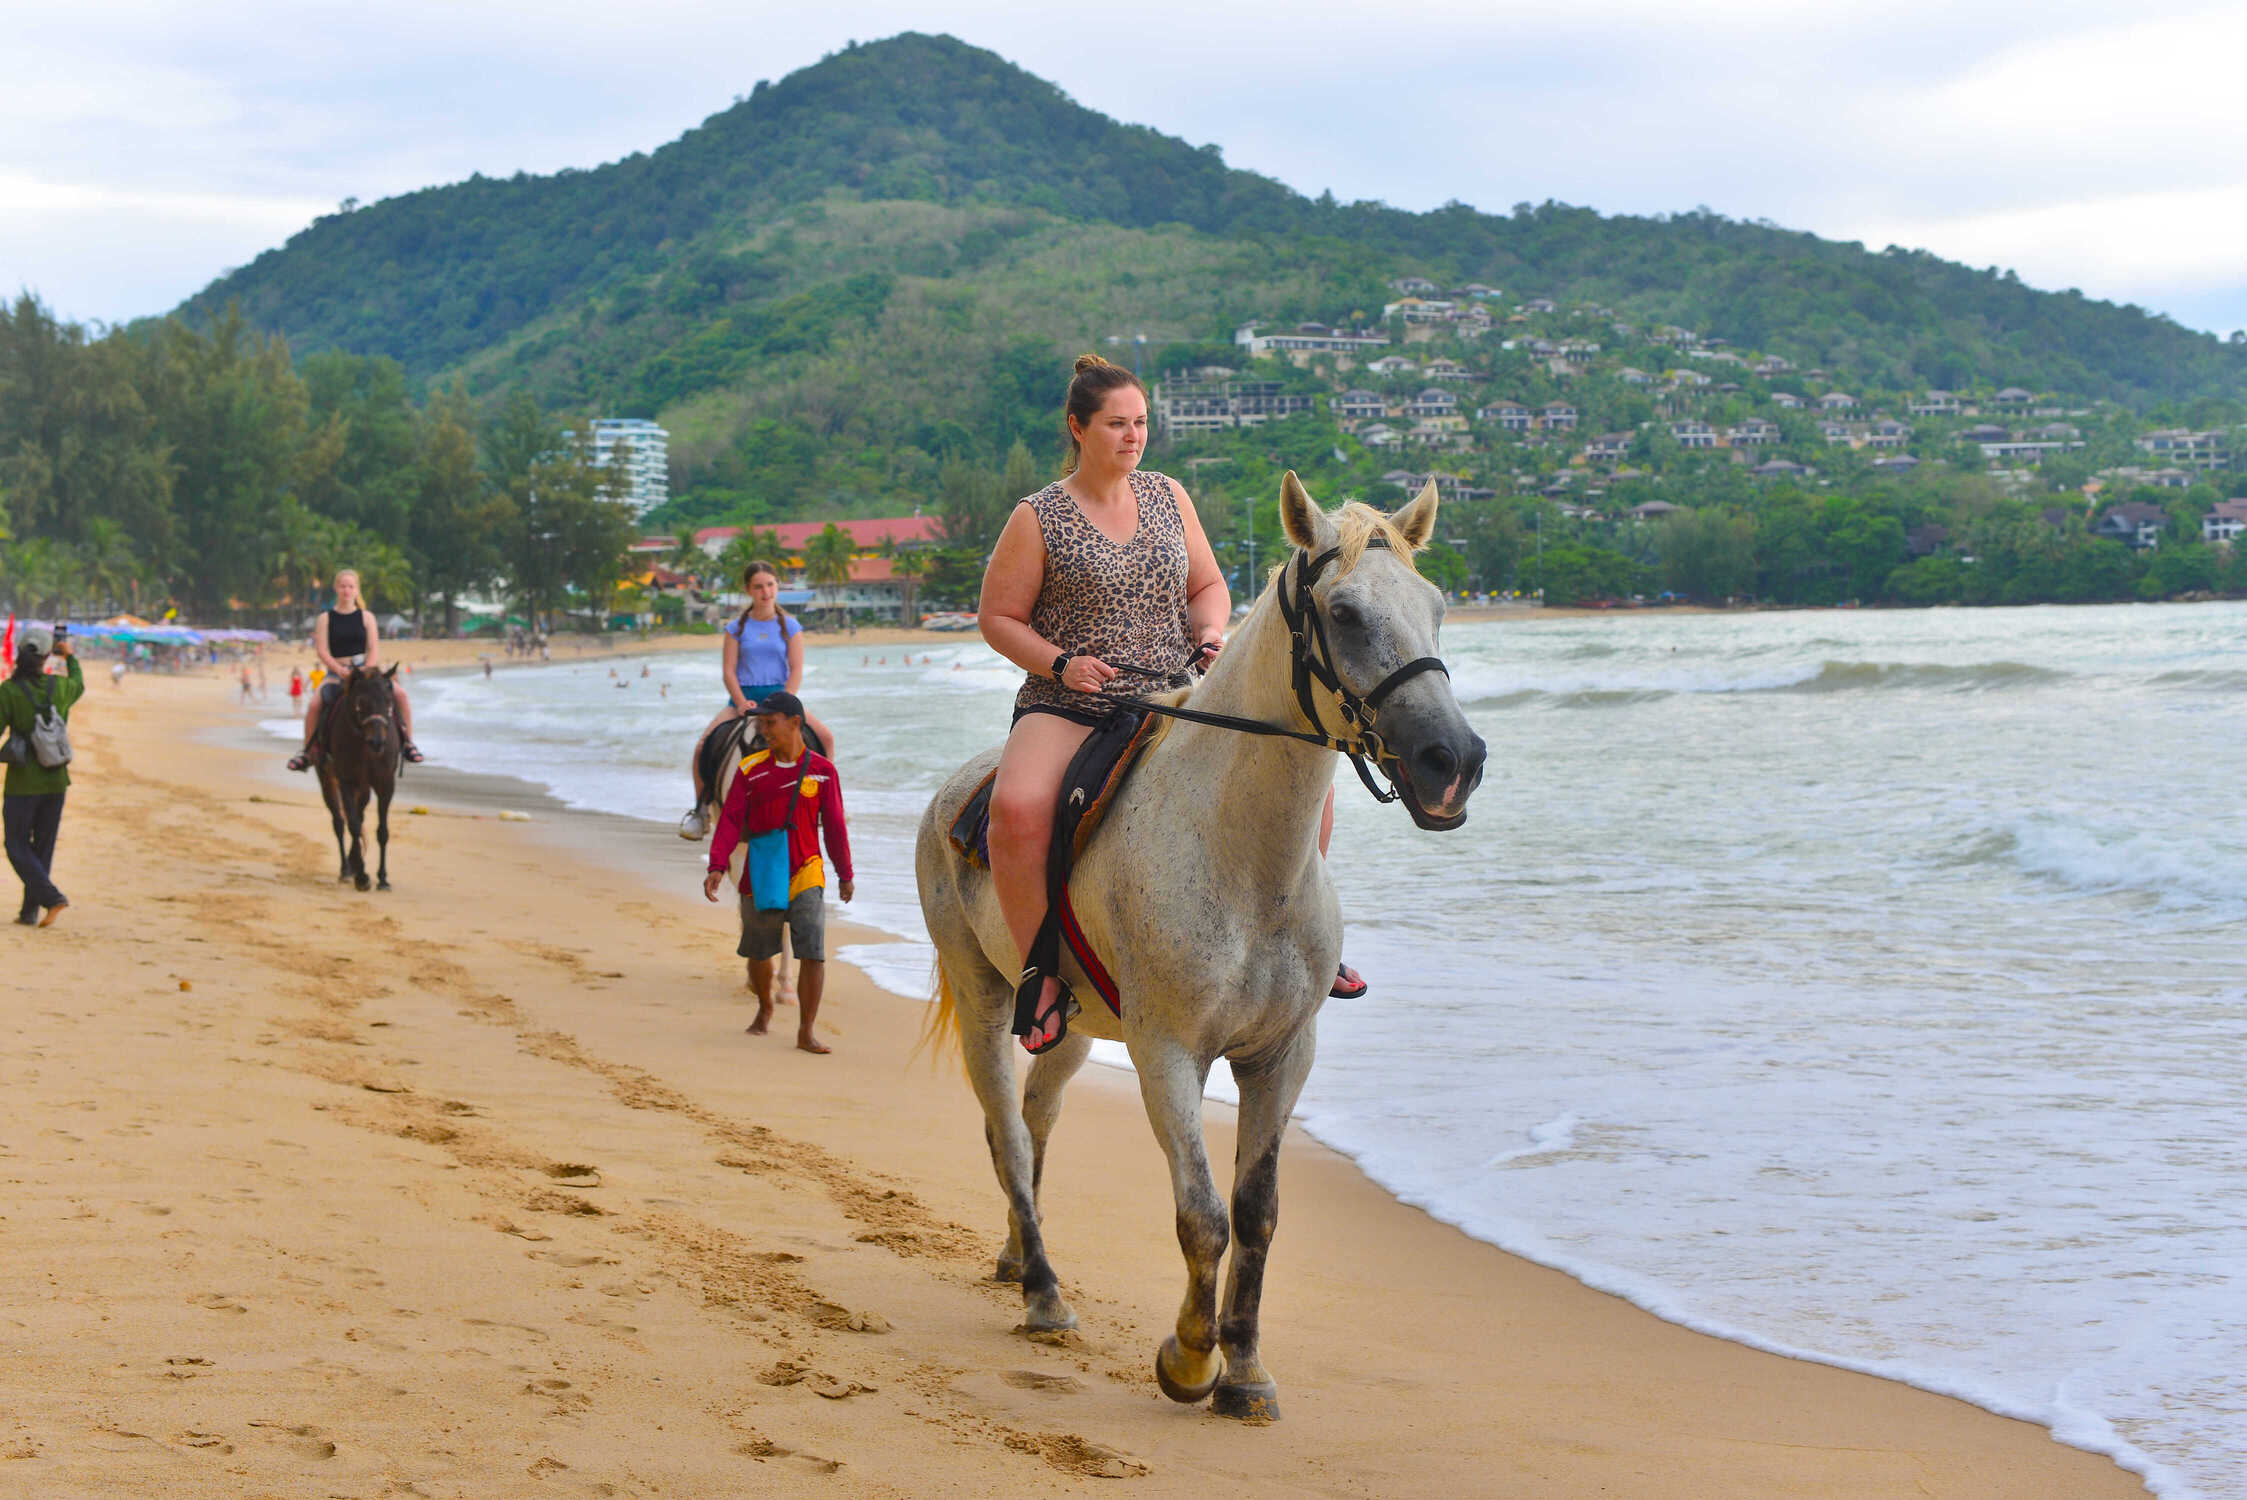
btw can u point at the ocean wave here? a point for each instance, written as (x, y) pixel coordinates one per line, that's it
(2105, 861)
(2204, 680)
(1476, 683)
(1854, 676)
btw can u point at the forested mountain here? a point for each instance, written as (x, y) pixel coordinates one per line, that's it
(978, 155)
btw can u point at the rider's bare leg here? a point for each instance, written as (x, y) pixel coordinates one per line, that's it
(826, 735)
(726, 715)
(1036, 757)
(1348, 979)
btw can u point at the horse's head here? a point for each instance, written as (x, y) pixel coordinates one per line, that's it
(1380, 620)
(369, 699)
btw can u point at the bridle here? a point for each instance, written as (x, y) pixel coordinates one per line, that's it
(1311, 655)
(366, 723)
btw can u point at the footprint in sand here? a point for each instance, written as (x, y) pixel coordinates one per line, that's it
(764, 1448)
(301, 1438)
(1075, 1455)
(1039, 1380)
(219, 1302)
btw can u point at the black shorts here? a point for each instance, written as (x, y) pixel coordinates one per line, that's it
(1082, 716)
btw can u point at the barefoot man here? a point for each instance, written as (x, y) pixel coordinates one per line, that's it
(787, 785)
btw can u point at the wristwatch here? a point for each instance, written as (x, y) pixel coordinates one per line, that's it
(1062, 661)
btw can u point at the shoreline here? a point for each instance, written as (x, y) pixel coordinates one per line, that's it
(559, 979)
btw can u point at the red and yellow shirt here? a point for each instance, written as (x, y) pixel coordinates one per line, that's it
(767, 795)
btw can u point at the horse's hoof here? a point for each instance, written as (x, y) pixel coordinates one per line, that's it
(363, 883)
(1047, 1314)
(1189, 1385)
(1258, 1401)
(382, 885)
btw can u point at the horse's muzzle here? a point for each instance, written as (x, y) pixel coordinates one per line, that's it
(1438, 777)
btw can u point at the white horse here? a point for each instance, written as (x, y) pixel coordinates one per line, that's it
(1206, 898)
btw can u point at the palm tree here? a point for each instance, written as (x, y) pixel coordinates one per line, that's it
(909, 565)
(688, 558)
(47, 577)
(827, 559)
(111, 569)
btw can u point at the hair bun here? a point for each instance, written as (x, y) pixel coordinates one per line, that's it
(1094, 362)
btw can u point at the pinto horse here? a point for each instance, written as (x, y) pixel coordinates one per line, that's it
(1207, 899)
(359, 753)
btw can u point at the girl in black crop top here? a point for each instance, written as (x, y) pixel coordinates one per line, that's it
(343, 637)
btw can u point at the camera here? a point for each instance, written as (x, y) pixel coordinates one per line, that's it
(62, 631)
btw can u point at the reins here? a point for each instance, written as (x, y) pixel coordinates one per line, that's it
(1306, 630)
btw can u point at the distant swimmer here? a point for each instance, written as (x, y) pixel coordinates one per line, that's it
(643, 669)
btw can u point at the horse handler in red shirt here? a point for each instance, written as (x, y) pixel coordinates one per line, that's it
(785, 785)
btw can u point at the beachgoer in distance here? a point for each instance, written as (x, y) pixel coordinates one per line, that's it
(31, 802)
(344, 636)
(762, 653)
(296, 689)
(1108, 564)
(785, 785)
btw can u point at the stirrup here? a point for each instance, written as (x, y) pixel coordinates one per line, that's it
(1027, 1020)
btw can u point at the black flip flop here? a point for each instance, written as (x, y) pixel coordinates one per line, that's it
(1031, 1022)
(1346, 988)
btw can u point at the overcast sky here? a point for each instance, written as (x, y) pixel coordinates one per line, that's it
(146, 147)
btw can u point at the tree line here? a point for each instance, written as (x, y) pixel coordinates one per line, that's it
(200, 468)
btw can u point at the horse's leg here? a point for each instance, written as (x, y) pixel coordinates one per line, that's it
(332, 794)
(1050, 1073)
(1170, 1081)
(1269, 1088)
(382, 833)
(985, 1049)
(359, 880)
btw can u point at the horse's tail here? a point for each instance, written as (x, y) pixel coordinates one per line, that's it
(940, 1033)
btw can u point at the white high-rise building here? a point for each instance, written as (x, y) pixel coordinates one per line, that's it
(646, 455)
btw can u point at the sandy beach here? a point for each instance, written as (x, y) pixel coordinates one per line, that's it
(477, 1188)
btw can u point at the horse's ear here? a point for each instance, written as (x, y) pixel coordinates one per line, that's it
(1418, 520)
(1306, 525)
(392, 674)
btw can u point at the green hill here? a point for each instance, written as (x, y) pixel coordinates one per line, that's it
(891, 250)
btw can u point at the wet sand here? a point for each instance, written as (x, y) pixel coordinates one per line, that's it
(476, 1188)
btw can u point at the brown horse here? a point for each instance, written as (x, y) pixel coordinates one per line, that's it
(359, 743)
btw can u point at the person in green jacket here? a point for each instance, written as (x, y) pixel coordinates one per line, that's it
(31, 805)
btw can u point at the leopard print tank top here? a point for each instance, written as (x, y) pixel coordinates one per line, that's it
(1122, 603)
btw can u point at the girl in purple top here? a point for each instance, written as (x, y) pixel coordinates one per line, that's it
(763, 652)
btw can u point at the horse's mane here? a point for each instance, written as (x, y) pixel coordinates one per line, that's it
(1359, 524)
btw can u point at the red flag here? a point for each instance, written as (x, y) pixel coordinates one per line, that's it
(8, 641)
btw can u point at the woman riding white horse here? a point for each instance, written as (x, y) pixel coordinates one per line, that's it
(343, 637)
(1104, 571)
